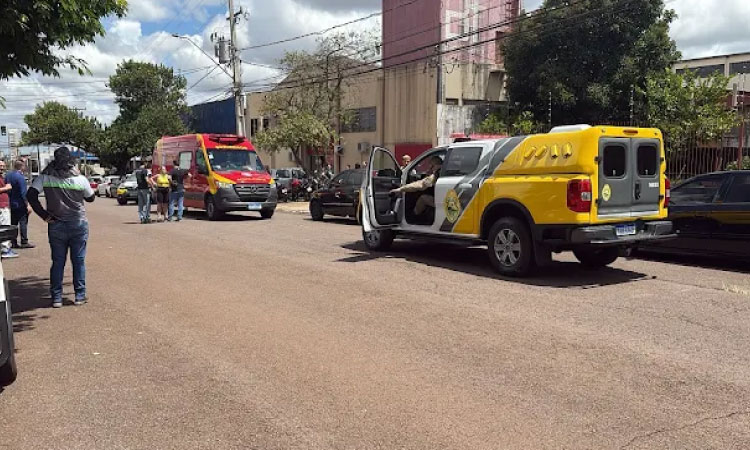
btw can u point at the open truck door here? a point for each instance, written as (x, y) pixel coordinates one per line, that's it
(380, 210)
(7, 357)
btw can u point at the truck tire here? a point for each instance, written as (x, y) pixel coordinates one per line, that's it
(510, 248)
(595, 258)
(212, 211)
(267, 213)
(378, 240)
(316, 211)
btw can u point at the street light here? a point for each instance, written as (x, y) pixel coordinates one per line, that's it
(202, 51)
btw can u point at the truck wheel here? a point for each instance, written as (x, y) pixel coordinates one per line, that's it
(212, 211)
(316, 211)
(595, 258)
(122, 201)
(510, 247)
(378, 240)
(267, 213)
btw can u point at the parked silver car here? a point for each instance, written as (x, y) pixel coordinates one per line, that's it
(108, 185)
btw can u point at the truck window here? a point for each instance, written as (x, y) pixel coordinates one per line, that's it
(186, 160)
(648, 160)
(461, 161)
(200, 162)
(615, 161)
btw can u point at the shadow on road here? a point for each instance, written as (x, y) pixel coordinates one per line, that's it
(336, 220)
(727, 264)
(474, 261)
(228, 217)
(27, 295)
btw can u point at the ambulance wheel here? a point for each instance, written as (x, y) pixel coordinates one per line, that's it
(212, 211)
(510, 247)
(378, 240)
(595, 258)
(266, 213)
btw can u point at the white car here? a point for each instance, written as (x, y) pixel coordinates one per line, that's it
(105, 187)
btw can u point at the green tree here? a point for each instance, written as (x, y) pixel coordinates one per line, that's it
(745, 164)
(33, 31)
(590, 56)
(311, 98)
(55, 123)
(688, 109)
(495, 123)
(123, 139)
(152, 103)
(139, 84)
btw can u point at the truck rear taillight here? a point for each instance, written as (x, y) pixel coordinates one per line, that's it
(579, 195)
(667, 191)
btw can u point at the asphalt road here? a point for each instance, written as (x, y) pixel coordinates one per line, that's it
(287, 334)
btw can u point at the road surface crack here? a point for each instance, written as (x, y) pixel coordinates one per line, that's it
(684, 427)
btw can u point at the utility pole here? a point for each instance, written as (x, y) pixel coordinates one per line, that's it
(236, 71)
(632, 104)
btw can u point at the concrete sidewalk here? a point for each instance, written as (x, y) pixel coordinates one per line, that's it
(294, 207)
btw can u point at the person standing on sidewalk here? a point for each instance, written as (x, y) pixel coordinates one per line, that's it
(19, 207)
(177, 198)
(65, 190)
(144, 194)
(5, 246)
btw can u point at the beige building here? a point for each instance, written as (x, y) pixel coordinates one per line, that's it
(423, 93)
(735, 66)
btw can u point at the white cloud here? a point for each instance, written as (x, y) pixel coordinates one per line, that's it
(711, 27)
(148, 10)
(703, 28)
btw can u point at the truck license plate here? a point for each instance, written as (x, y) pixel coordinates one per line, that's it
(625, 230)
(254, 206)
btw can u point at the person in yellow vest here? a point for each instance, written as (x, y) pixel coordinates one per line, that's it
(163, 181)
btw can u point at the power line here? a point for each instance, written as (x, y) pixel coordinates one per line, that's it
(329, 29)
(202, 78)
(302, 83)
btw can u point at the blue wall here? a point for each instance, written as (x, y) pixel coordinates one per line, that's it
(214, 117)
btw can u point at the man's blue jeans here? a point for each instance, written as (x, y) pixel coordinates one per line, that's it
(64, 237)
(179, 199)
(144, 204)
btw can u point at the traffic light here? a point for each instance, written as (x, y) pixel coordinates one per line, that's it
(3, 130)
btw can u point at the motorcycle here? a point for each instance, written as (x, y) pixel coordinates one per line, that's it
(282, 193)
(305, 190)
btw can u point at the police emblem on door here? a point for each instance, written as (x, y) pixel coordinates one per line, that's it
(452, 206)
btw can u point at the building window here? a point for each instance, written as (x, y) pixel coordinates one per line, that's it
(739, 67)
(362, 120)
(265, 123)
(706, 71)
(253, 127)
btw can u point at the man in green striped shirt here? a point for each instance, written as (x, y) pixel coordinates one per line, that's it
(65, 190)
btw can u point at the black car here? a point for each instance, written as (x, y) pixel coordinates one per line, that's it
(340, 198)
(711, 215)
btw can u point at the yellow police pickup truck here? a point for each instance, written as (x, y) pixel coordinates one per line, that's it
(593, 190)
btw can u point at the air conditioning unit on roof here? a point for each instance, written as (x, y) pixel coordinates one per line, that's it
(364, 147)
